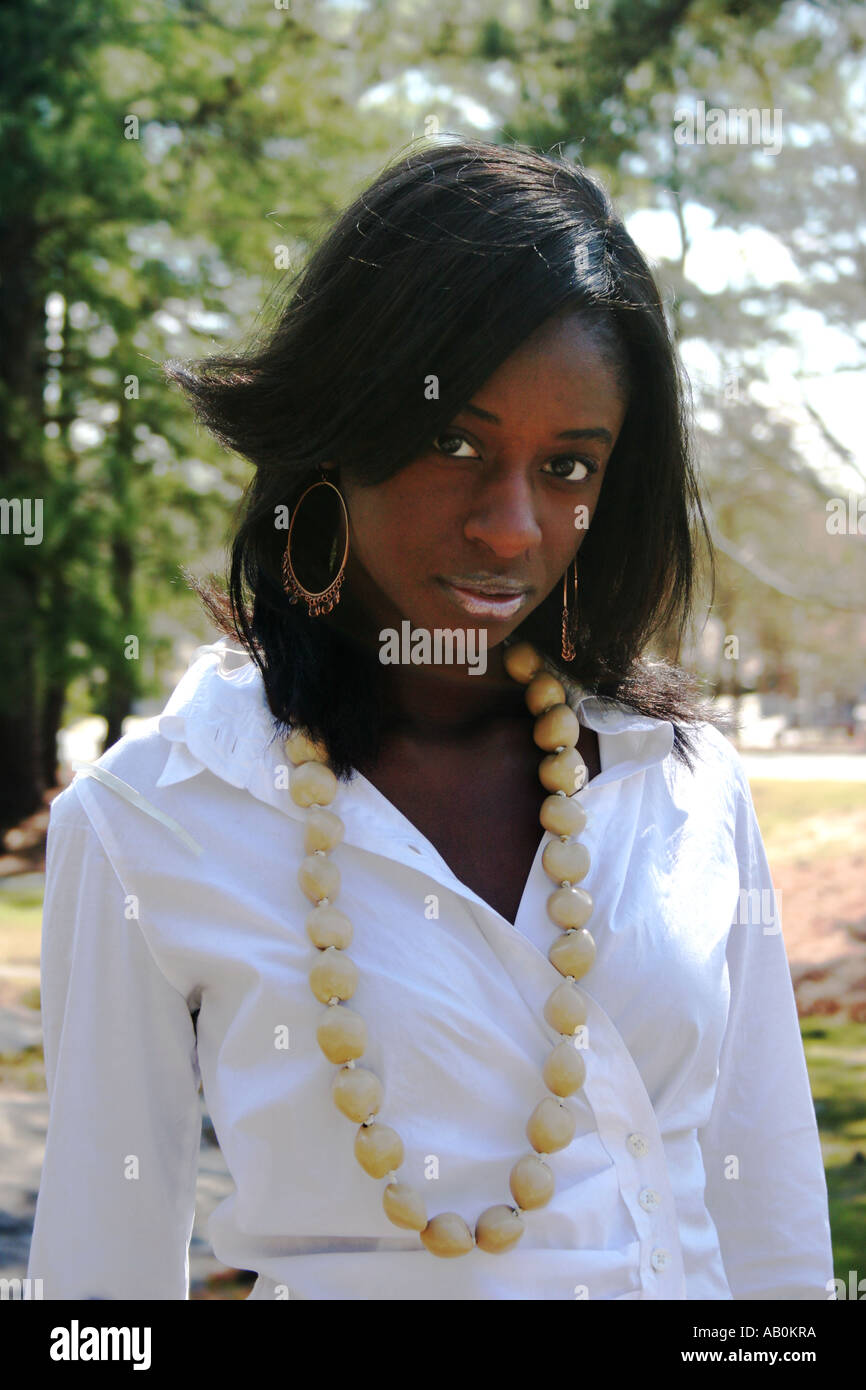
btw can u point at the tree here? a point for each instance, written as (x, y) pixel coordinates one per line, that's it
(157, 164)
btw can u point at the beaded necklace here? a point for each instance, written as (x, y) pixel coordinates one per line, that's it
(342, 1032)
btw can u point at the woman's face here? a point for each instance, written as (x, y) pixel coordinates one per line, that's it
(500, 501)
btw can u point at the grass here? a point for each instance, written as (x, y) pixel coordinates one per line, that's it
(20, 920)
(805, 821)
(836, 1059)
(785, 806)
(24, 1070)
(231, 1284)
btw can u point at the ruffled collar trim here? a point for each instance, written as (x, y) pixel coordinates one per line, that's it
(218, 718)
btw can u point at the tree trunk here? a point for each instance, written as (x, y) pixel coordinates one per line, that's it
(22, 784)
(21, 476)
(121, 685)
(53, 701)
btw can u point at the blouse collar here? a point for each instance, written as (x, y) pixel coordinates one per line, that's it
(218, 718)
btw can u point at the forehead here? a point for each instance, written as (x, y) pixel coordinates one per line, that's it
(565, 363)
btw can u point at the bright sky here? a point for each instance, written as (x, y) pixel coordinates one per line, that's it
(721, 259)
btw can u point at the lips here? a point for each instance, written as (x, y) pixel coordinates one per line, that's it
(492, 587)
(483, 604)
(486, 593)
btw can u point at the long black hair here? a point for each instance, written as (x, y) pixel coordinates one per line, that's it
(441, 268)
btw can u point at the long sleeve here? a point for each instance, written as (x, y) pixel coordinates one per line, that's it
(766, 1190)
(116, 1201)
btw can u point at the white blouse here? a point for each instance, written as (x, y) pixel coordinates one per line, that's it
(695, 1171)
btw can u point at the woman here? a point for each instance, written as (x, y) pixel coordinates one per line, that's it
(464, 894)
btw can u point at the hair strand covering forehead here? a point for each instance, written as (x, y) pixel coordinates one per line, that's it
(437, 272)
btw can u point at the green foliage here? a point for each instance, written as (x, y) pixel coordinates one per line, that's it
(160, 164)
(153, 160)
(495, 41)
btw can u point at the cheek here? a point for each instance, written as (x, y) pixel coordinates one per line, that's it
(572, 519)
(386, 538)
(403, 517)
(593, 493)
(371, 519)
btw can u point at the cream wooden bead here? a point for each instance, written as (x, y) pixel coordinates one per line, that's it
(447, 1235)
(498, 1229)
(569, 907)
(323, 830)
(562, 772)
(564, 1071)
(300, 748)
(543, 692)
(319, 877)
(565, 1009)
(531, 1182)
(557, 728)
(378, 1149)
(404, 1206)
(358, 1092)
(573, 953)
(565, 862)
(551, 1126)
(522, 662)
(328, 926)
(341, 1034)
(334, 973)
(311, 783)
(562, 815)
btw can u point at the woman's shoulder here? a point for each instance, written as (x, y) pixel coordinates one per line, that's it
(135, 761)
(215, 719)
(711, 746)
(713, 781)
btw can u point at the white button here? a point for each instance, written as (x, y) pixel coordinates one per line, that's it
(649, 1199)
(637, 1145)
(660, 1259)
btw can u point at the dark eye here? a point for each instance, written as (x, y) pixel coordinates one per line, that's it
(453, 438)
(569, 464)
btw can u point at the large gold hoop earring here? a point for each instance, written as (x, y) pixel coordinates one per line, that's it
(328, 598)
(569, 620)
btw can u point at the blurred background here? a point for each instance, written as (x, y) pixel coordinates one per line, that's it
(167, 166)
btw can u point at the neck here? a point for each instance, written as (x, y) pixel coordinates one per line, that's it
(429, 703)
(437, 703)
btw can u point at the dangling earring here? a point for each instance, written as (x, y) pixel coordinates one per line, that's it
(569, 621)
(326, 599)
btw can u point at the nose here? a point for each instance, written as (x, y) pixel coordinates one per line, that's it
(503, 514)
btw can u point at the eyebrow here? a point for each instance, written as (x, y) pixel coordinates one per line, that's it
(597, 432)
